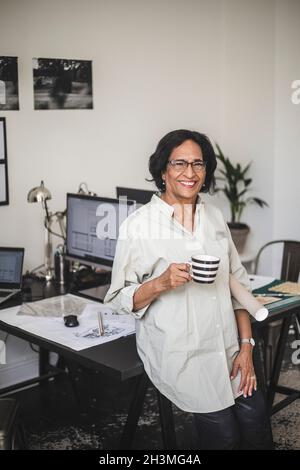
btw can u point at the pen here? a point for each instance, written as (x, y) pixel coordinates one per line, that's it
(101, 329)
(273, 295)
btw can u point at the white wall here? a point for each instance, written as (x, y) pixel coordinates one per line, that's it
(156, 67)
(223, 67)
(287, 122)
(247, 97)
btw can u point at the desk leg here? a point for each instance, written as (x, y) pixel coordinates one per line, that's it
(258, 361)
(297, 320)
(167, 422)
(43, 361)
(278, 362)
(135, 410)
(81, 384)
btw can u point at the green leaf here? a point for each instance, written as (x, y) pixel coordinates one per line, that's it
(242, 193)
(246, 169)
(260, 202)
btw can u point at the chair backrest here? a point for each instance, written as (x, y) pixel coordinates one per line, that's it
(290, 265)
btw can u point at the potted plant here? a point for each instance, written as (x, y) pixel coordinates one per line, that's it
(236, 186)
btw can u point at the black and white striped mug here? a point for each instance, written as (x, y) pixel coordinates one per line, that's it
(204, 268)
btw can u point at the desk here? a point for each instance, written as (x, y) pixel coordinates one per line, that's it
(119, 359)
(282, 310)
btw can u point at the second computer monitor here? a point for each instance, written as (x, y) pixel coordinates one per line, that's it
(141, 196)
(93, 228)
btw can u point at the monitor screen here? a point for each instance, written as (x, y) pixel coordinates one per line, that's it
(141, 196)
(93, 227)
(11, 265)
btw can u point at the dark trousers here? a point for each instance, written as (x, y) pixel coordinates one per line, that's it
(245, 425)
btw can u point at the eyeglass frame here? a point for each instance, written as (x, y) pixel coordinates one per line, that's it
(186, 165)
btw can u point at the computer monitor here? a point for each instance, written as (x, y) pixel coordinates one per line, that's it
(93, 228)
(141, 196)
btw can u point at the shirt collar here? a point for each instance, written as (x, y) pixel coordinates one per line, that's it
(167, 208)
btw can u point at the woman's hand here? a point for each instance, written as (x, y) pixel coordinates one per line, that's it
(175, 276)
(243, 361)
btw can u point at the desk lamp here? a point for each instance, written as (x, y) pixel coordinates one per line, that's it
(42, 194)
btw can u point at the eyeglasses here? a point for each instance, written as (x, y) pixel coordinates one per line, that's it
(181, 165)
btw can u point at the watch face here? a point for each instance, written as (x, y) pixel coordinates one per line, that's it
(252, 341)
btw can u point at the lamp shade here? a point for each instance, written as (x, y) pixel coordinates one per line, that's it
(39, 194)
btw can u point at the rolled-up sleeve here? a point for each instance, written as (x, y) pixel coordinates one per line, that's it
(237, 269)
(127, 277)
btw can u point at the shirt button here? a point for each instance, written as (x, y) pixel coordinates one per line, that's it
(218, 325)
(214, 298)
(221, 353)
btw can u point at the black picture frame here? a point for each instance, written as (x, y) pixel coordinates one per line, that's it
(62, 84)
(9, 84)
(4, 194)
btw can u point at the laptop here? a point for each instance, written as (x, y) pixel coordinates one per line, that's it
(11, 266)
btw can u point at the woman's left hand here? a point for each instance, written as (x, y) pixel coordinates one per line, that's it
(243, 361)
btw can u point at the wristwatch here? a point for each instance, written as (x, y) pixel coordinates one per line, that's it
(248, 340)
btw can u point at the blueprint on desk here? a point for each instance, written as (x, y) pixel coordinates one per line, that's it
(83, 336)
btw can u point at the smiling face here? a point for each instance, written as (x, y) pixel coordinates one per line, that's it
(183, 185)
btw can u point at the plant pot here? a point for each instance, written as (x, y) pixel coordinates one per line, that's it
(239, 233)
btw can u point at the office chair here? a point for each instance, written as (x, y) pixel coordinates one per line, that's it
(290, 268)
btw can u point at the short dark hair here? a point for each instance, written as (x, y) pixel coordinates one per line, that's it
(159, 160)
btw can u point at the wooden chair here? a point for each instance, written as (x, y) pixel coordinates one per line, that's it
(290, 265)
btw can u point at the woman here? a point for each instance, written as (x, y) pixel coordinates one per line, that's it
(188, 333)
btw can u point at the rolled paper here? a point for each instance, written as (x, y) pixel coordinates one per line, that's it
(247, 300)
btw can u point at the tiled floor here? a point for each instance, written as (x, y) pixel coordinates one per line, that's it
(53, 420)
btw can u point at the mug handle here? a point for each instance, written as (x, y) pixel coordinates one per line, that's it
(189, 262)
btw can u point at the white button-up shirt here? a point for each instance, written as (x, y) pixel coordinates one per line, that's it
(187, 338)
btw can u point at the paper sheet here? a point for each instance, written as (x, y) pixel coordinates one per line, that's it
(81, 337)
(265, 300)
(259, 281)
(288, 287)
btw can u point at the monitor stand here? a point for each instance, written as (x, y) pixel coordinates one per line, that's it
(95, 293)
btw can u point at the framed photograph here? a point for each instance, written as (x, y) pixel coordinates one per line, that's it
(62, 84)
(9, 83)
(3, 165)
